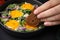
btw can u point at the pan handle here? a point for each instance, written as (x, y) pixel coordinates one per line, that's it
(38, 1)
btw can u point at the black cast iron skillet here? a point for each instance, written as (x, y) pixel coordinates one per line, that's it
(19, 34)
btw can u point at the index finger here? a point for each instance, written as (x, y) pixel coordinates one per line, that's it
(46, 6)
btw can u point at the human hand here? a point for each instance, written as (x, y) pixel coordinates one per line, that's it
(49, 12)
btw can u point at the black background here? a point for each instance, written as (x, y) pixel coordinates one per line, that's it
(49, 35)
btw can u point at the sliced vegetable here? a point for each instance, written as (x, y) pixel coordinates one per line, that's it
(3, 20)
(22, 22)
(11, 6)
(26, 15)
(26, 11)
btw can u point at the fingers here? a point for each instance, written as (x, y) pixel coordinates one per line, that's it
(46, 6)
(53, 11)
(52, 23)
(53, 18)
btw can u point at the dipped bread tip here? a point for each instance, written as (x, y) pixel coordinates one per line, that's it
(32, 20)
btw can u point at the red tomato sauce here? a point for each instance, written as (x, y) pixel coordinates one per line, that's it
(2, 2)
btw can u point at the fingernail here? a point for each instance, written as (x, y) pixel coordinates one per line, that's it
(38, 16)
(35, 12)
(47, 23)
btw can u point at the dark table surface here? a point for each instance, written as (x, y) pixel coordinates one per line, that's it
(49, 35)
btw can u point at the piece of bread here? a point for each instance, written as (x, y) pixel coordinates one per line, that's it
(32, 20)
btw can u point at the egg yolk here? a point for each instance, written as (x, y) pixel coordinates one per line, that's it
(12, 24)
(29, 27)
(27, 6)
(16, 13)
